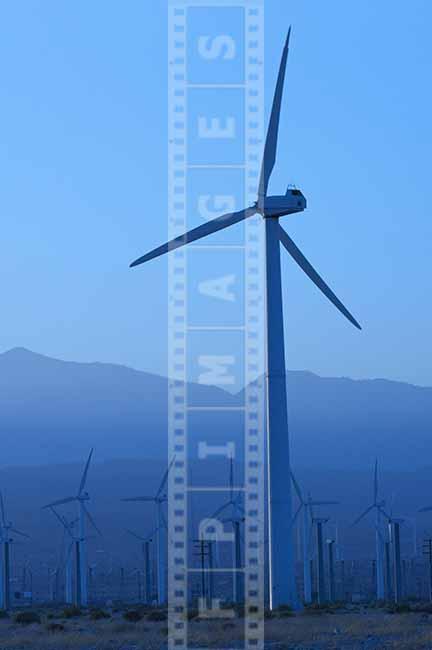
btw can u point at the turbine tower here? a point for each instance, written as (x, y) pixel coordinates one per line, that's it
(69, 531)
(81, 543)
(377, 506)
(236, 518)
(161, 532)
(6, 541)
(145, 545)
(307, 505)
(271, 208)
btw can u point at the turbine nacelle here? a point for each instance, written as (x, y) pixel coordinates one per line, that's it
(278, 206)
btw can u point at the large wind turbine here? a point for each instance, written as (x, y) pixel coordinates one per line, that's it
(271, 208)
(161, 529)
(80, 498)
(377, 506)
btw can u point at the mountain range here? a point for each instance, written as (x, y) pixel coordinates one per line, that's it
(53, 411)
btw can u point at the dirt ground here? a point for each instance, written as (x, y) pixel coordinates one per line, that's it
(344, 629)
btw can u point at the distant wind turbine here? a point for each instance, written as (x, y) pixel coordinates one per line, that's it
(146, 541)
(377, 505)
(81, 545)
(6, 538)
(271, 208)
(69, 531)
(236, 518)
(306, 505)
(161, 529)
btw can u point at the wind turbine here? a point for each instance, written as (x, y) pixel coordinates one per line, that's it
(236, 518)
(394, 524)
(81, 542)
(306, 505)
(320, 523)
(377, 506)
(69, 530)
(271, 208)
(146, 541)
(6, 540)
(161, 529)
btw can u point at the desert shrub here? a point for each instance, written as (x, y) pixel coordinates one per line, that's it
(26, 618)
(229, 626)
(156, 615)
(423, 608)
(3, 613)
(401, 608)
(54, 627)
(133, 616)
(380, 604)
(314, 609)
(98, 614)
(283, 611)
(192, 614)
(71, 612)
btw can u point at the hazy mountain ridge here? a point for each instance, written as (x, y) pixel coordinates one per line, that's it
(53, 411)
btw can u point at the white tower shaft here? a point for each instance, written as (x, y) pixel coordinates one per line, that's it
(83, 555)
(281, 547)
(161, 555)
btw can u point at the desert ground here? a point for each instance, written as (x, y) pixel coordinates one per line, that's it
(366, 628)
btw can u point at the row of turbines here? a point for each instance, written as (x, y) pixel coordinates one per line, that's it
(388, 560)
(318, 551)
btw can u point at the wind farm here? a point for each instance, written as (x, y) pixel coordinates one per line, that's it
(185, 482)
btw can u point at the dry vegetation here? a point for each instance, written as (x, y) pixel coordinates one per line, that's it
(338, 629)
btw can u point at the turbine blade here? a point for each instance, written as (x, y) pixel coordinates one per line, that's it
(387, 516)
(297, 488)
(164, 521)
(164, 478)
(60, 502)
(270, 147)
(92, 521)
(309, 507)
(61, 519)
(381, 536)
(297, 512)
(205, 229)
(131, 532)
(219, 510)
(324, 503)
(18, 532)
(426, 509)
(3, 511)
(376, 481)
(85, 472)
(298, 257)
(363, 514)
(67, 555)
(149, 537)
(138, 499)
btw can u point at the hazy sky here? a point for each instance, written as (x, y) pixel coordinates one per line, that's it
(83, 105)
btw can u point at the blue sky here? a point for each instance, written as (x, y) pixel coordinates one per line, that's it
(83, 105)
